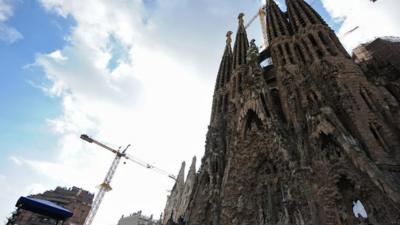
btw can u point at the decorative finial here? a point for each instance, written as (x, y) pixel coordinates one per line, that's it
(252, 53)
(240, 17)
(252, 42)
(228, 37)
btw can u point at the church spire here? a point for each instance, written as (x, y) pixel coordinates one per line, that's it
(225, 68)
(192, 169)
(220, 102)
(276, 21)
(180, 180)
(301, 14)
(282, 50)
(241, 44)
(319, 41)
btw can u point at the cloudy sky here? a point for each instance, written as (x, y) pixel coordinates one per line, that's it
(137, 72)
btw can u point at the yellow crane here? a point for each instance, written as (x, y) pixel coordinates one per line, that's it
(349, 32)
(106, 185)
(261, 14)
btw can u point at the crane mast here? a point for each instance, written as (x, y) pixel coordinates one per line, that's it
(263, 20)
(261, 14)
(106, 185)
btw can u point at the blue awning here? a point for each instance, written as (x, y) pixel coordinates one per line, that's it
(44, 207)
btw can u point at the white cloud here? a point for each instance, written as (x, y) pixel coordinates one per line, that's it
(16, 160)
(57, 56)
(5, 10)
(377, 19)
(8, 34)
(35, 188)
(158, 98)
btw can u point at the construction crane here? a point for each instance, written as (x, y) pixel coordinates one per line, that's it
(105, 186)
(350, 31)
(261, 15)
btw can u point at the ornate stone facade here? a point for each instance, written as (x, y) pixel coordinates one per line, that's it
(298, 141)
(380, 61)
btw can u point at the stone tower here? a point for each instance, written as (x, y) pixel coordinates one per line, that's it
(301, 140)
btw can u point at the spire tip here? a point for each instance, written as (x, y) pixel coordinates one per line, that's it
(240, 17)
(228, 37)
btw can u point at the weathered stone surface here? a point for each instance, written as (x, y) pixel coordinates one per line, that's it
(178, 200)
(300, 141)
(174, 199)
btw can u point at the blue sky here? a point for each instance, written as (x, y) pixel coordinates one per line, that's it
(25, 106)
(137, 71)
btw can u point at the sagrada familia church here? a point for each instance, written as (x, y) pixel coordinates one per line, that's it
(297, 142)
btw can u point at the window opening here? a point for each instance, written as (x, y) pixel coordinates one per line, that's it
(315, 45)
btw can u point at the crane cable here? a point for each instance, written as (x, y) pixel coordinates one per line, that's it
(148, 165)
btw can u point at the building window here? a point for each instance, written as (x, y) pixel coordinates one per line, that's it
(289, 52)
(307, 48)
(315, 45)
(327, 43)
(278, 105)
(239, 85)
(299, 53)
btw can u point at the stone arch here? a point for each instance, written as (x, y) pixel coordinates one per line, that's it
(340, 190)
(252, 121)
(254, 105)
